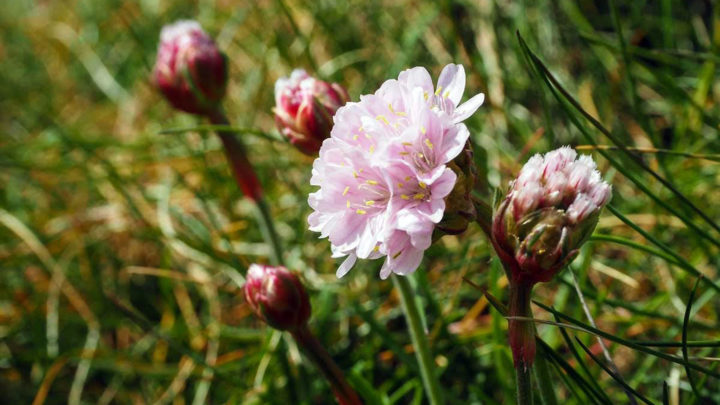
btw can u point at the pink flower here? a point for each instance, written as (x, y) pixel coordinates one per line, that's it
(277, 296)
(304, 107)
(383, 173)
(550, 210)
(190, 71)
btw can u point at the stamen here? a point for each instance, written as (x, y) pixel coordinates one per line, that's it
(428, 143)
(404, 196)
(419, 196)
(369, 203)
(371, 182)
(423, 130)
(439, 89)
(346, 190)
(383, 119)
(361, 212)
(422, 184)
(395, 256)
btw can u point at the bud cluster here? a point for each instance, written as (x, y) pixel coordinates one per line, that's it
(190, 71)
(304, 109)
(550, 210)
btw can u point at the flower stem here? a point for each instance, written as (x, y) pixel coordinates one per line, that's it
(248, 182)
(419, 338)
(524, 387)
(521, 334)
(317, 353)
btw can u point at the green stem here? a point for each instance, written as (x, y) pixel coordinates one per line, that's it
(248, 182)
(542, 377)
(419, 338)
(524, 387)
(268, 229)
(317, 353)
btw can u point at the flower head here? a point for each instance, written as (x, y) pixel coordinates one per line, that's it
(304, 107)
(277, 296)
(190, 71)
(550, 210)
(384, 174)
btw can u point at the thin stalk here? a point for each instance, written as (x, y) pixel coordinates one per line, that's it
(317, 353)
(419, 339)
(248, 182)
(267, 227)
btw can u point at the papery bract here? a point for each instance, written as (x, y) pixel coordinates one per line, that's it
(384, 173)
(190, 71)
(304, 107)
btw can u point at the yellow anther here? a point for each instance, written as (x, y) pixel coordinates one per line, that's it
(382, 118)
(376, 249)
(400, 185)
(419, 196)
(361, 129)
(404, 153)
(369, 203)
(372, 148)
(407, 178)
(368, 136)
(407, 143)
(420, 155)
(346, 190)
(371, 182)
(423, 130)
(404, 196)
(446, 94)
(355, 174)
(361, 170)
(428, 143)
(347, 203)
(422, 185)
(361, 212)
(395, 256)
(425, 94)
(439, 89)
(355, 137)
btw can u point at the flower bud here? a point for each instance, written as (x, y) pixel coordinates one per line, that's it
(304, 108)
(277, 296)
(190, 71)
(549, 212)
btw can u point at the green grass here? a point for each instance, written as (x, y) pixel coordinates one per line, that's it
(123, 244)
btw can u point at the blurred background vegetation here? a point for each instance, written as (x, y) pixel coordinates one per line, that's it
(122, 250)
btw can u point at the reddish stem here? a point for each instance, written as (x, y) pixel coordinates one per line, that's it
(314, 349)
(235, 152)
(521, 332)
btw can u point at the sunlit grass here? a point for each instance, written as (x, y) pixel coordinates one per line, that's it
(124, 240)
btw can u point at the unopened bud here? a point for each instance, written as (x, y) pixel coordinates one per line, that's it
(190, 71)
(304, 108)
(549, 212)
(277, 296)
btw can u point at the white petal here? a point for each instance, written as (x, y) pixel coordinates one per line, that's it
(451, 83)
(346, 265)
(468, 108)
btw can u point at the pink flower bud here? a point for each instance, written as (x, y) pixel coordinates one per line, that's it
(550, 210)
(304, 108)
(190, 71)
(277, 296)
